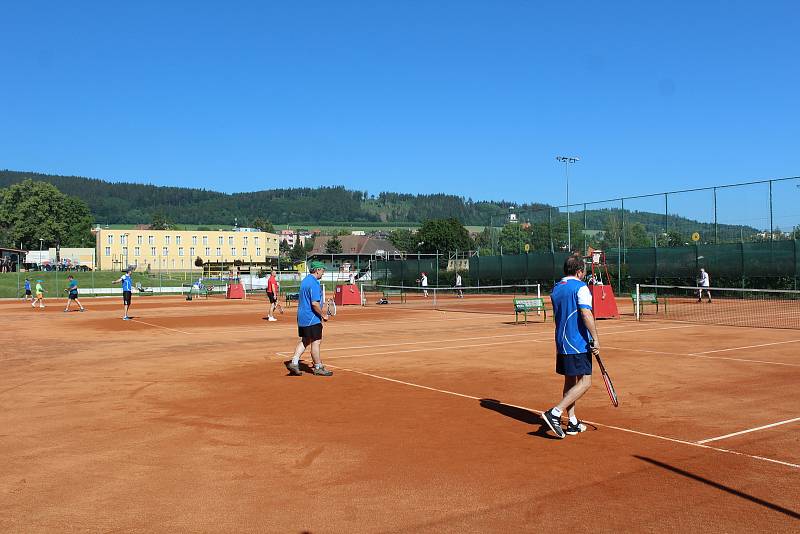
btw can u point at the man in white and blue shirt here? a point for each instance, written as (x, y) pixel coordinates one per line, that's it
(309, 321)
(576, 341)
(127, 291)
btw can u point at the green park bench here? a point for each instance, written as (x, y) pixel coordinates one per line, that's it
(530, 304)
(648, 298)
(394, 292)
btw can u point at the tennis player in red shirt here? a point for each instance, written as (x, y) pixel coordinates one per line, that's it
(273, 290)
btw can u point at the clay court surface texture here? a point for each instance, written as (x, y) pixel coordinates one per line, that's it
(184, 420)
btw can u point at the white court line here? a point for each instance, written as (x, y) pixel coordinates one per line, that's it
(159, 326)
(700, 355)
(747, 347)
(548, 339)
(749, 430)
(621, 429)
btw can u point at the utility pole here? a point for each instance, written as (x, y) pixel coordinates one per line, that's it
(566, 160)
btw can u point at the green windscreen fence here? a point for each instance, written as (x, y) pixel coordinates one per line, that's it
(767, 264)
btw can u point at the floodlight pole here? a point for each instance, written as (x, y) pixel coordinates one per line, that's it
(566, 160)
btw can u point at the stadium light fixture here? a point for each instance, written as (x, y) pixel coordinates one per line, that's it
(566, 160)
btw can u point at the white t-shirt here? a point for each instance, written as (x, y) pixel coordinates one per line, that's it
(424, 281)
(704, 279)
(458, 279)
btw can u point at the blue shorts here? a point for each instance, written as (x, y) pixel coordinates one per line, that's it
(574, 364)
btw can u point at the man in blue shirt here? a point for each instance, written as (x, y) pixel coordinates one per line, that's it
(127, 291)
(28, 290)
(309, 321)
(576, 341)
(72, 294)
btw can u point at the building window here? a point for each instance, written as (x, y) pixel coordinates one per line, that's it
(244, 241)
(165, 251)
(230, 241)
(153, 251)
(151, 240)
(125, 251)
(108, 251)
(180, 251)
(191, 251)
(219, 250)
(139, 239)
(258, 252)
(136, 251)
(255, 241)
(205, 240)
(177, 240)
(194, 240)
(110, 239)
(166, 240)
(208, 252)
(220, 240)
(244, 251)
(233, 251)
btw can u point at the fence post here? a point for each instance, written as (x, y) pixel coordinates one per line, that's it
(716, 227)
(637, 311)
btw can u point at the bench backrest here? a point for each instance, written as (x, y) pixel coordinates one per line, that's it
(645, 297)
(529, 304)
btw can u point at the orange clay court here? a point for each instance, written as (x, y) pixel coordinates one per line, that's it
(184, 420)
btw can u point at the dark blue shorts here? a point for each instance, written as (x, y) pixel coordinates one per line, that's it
(574, 364)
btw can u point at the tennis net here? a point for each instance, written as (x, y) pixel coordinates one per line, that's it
(498, 299)
(758, 308)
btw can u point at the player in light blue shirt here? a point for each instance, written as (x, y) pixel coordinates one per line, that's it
(576, 341)
(127, 291)
(309, 321)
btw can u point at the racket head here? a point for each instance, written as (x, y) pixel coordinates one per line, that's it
(331, 308)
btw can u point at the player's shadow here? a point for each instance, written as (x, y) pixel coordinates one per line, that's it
(520, 414)
(717, 485)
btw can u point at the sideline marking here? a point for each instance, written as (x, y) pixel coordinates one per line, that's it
(748, 430)
(747, 347)
(542, 340)
(159, 326)
(621, 429)
(701, 355)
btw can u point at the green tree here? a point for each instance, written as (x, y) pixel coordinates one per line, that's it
(298, 252)
(404, 239)
(263, 224)
(160, 221)
(513, 238)
(443, 235)
(30, 211)
(284, 248)
(334, 245)
(636, 236)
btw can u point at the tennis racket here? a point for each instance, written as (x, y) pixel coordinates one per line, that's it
(612, 393)
(331, 305)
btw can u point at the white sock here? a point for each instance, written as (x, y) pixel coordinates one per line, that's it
(318, 366)
(555, 411)
(296, 360)
(573, 419)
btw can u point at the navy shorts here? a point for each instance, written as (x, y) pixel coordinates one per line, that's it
(271, 297)
(313, 332)
(73, 295)
(574, 364)
(126, 297)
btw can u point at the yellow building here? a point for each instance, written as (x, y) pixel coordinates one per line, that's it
(177, 250)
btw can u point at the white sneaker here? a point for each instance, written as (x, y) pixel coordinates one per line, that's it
(271, 319)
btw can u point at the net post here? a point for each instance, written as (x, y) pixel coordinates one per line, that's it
(637, 304)
(538, 295)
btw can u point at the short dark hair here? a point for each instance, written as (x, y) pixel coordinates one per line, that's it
(573, 264)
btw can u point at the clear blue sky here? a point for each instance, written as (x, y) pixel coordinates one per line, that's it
(468, 97)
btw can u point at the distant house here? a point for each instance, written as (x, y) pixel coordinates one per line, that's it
(356, 245)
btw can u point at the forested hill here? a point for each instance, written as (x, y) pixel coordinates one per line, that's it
(129, 203)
